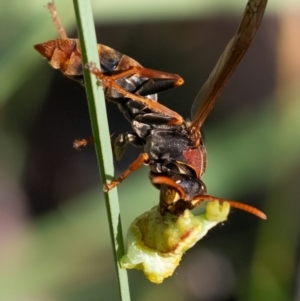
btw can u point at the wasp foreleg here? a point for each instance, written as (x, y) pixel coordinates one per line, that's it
(135, 165)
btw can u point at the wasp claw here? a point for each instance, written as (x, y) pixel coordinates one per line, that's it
(90, 65)
(79, 143)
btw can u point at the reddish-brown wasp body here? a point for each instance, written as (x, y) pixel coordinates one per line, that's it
(173, 147)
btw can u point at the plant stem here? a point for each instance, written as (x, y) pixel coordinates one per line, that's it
(96, 102)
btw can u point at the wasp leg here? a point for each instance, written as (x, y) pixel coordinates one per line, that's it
(202, 198)
(151, 87)
(118, 146)
(147, 73)
(52, 9)
(79, 143)
(135, 165)
(121, 142)
(108, 81)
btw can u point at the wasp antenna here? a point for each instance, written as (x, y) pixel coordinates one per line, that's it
(237, 205)
(247, 208)
(163, 180)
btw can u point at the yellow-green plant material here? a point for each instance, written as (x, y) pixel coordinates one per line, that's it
(156, 243)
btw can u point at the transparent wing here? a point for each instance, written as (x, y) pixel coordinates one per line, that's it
(228, 61)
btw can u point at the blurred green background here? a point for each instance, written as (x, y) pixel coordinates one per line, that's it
(54, 237)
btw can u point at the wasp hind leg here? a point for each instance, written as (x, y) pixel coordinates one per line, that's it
(109, 81)
(53, 12)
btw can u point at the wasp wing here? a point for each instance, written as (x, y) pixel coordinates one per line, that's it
(228, 61)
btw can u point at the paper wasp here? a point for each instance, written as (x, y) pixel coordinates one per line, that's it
(173, 147)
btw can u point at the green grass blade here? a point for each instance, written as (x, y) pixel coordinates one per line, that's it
(101, 135)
